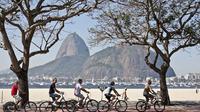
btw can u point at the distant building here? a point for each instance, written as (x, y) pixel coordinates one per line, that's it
(192, 76)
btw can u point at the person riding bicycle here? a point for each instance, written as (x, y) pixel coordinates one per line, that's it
(77, 91)
(14, 92)
(108, 90)
(52, 92)
(148, 91)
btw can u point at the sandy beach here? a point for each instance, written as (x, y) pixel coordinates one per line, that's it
(133, 94)
(183, 100)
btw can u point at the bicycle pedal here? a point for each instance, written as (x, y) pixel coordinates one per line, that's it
(149, 107)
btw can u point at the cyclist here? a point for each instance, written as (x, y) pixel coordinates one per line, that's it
(148, 91)
(108, 90)
(14, 90)
(52, 92)
(77, 92)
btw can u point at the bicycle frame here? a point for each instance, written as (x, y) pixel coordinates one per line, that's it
(62, 99)
(113, 102)
(156, 98)
(86, 99)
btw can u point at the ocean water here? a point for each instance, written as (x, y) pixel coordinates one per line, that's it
(133, 94)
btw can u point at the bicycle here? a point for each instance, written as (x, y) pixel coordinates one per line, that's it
(12, 106)
(124, 95)
(120, 105)
(142, 105)
(65, 106)
(90, 104)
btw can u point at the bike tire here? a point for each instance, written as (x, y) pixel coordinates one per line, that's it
(68, 106)
(159, 106)
(30, 107)
(45, 107)
(92, 105)
(103, 106)
(73, 101)
(9, 107)
(121, 106)
(141, 106)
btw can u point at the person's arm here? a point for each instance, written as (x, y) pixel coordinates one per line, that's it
(151, 90)
(19, 89)
(115, 91)
(56, 89)
(83, 89)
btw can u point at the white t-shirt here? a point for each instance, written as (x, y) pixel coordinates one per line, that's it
(108, 90)
(77, 89)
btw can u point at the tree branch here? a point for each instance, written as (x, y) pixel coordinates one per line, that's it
(149, 63)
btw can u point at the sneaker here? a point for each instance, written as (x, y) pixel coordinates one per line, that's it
(54, 104)
(149, 104)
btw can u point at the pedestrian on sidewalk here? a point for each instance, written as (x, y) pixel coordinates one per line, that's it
(197, 90)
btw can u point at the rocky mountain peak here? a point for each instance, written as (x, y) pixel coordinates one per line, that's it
(73, 45)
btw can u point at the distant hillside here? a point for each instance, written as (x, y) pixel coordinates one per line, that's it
(73, 60)
(68, 66)
(124, 62)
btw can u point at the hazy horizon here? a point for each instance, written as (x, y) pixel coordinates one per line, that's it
(183, 62)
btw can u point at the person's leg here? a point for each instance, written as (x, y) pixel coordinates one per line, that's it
(112, 96)
(57, 97)
(81, 99)
(53, 98)
(108, 97)
(17, 99)
(147, 98)
(151, 97)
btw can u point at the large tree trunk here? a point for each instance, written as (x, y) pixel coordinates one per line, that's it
(23, 86)
(164, 89)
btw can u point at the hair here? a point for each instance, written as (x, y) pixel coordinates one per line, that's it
(80, 80)
(54, 79)
(17, 82)
(112, 83)
(149, 81)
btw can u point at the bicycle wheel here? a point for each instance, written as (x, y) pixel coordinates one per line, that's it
(45, 106)
(9, 107)
(141, 106)
(68, 106)
(159, 106)
(30, 107)
(121, 106)
(73, 101)
(103, 106)
(92, 105)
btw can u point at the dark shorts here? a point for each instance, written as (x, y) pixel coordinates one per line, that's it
(147, 96)
(108, 96)
(53, 96)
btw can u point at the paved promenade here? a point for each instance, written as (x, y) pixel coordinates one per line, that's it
(175, 107)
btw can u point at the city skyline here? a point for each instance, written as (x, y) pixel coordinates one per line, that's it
(183, 62)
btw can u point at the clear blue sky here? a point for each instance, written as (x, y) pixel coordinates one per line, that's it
(182, 62)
